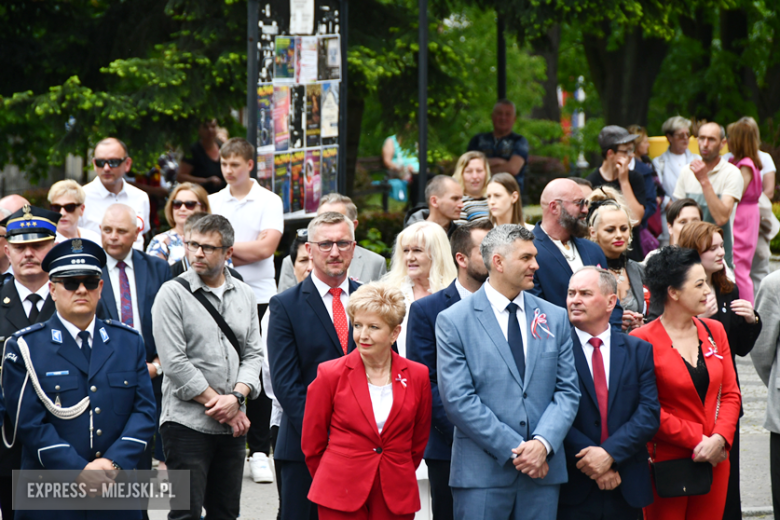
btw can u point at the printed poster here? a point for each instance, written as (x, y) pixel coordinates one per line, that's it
(282, 178)
(281, 118)
(313, 96)
(330, 169)
(312, 180)
(297, 115)
(328, 58)
(296, 180)
(284, 59)
(265, 170)
(306, 60)
(330, 110)
(265, 118)
(301, 16)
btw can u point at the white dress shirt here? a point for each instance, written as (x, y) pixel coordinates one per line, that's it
(74, 330)
(327, 298)
(570, 253)
(381, 402)
(113, 273)
(499, 302)
(462, 291)
(24, 292)
(587, 349)
(98, 199)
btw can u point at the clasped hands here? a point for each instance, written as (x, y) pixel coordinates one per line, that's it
(596, 463)
(710, 449)
(225, 409)
(531, 459)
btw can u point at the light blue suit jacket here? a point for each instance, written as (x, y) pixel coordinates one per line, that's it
(492, 408)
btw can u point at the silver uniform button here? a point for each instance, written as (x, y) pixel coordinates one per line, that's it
(99, 432)
(125, 383)
(97, 410)
(57, 387)
(98, 454)
(93, 388)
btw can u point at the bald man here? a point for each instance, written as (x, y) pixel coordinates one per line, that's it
(112, 162)
(131, 279)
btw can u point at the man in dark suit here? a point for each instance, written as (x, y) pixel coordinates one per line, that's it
(24, 301)
(421, 347)
(131, 279)
(619, 412)
(308, 325)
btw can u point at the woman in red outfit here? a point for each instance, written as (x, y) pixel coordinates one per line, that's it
(690, 372)
(367, 418)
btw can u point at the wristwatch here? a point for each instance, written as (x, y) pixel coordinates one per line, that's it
(241, 398)
(157, 366)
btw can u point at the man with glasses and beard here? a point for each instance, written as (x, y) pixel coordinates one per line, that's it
(421, 347)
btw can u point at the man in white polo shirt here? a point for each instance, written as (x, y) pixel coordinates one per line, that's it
(112, 162)
(257, 217)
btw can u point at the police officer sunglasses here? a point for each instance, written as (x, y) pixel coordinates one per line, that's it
(113, 163)
(72, 284)
(70, 208)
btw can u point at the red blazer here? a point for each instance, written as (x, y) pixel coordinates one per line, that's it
(345, 465)
(683, 417)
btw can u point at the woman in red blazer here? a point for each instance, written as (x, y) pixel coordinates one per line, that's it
(367, 418)
(691, 371)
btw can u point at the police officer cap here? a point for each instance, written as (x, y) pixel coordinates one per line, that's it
(74, 257)
(30, 224)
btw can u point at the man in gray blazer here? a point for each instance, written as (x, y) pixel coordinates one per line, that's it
(508, 383)
(366, 266)
(765, 359)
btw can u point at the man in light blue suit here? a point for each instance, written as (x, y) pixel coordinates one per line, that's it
(508, 383)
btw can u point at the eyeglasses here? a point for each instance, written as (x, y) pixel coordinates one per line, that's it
(113, 163)
(581, 202)
(683, 135)
(327, 245)
(73, 284)
(193, 247)
(189, 204)
(630, 151)
(70, 208)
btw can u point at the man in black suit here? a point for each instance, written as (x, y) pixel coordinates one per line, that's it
(421, 347)
(24, 301)
(131, 279)
(308, 325)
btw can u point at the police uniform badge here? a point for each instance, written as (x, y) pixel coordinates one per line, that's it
(76, 246)
(56, 336)
(104, 335)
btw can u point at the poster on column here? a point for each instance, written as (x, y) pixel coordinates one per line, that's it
(313, 96)
(281, 118)
(296, 180)
(301, 16)
(265, 170)
(306, 60)
(282, 178)
(329, 58)
(330, 169)
(297, 116)
(284, 59)
(265, 118)
(312, 180)
(330, 113)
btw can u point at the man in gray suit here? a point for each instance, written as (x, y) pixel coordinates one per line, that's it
(508, 383)
(366, 266)
(765, 359)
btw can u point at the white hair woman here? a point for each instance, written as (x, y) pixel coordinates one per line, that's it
(422, 264)
(67, 198)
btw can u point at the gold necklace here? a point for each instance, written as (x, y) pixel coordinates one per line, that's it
(389, 372)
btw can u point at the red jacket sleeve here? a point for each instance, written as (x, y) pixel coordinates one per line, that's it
(316, 418)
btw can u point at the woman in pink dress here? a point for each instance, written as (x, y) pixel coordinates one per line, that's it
(743, 143)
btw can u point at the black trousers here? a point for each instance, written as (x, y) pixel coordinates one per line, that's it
(296, 481)
(6, 496)
(258, 411)
(774, 468)
(274, 436)
(733, 510)
(600, 505)
(441, 494)
(216, 466)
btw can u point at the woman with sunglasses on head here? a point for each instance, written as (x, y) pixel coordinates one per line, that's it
(186, 199)
(67, 198)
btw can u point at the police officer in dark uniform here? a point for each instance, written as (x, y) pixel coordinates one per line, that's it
(75, 356)
(24, 301)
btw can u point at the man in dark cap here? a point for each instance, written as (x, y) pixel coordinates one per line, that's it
(89, 371)
(24, 301)
(617, 148)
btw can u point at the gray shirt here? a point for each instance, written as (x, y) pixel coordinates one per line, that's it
(195, 354)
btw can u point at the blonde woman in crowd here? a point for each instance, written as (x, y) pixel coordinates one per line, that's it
(186, 199)
(473, 173)
(67, 198)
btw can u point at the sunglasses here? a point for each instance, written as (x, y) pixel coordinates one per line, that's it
(70, 208)
(73, 284)
(189, 204)
(113, 163)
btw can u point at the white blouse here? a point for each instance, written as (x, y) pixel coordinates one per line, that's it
(381, 402)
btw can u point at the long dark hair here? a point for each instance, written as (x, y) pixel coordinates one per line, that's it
(510, 185)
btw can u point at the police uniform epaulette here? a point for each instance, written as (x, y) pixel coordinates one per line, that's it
(117, 323)
(31, 328)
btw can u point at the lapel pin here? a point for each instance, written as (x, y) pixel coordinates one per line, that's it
(540, 320)
(7, 300)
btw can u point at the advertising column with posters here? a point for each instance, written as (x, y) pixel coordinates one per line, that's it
(298, 102)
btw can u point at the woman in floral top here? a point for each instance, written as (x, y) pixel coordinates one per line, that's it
(187, 198)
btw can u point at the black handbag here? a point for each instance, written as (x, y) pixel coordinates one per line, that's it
(684, 477)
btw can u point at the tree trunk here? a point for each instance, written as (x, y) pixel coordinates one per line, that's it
(547, 47)
(700, 29)
(355, 106)
(624, 76)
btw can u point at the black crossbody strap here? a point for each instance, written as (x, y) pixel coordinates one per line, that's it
(198, 295)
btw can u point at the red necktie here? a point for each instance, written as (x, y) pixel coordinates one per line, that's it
(600, 382)
(125, 297)
(340, 318)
